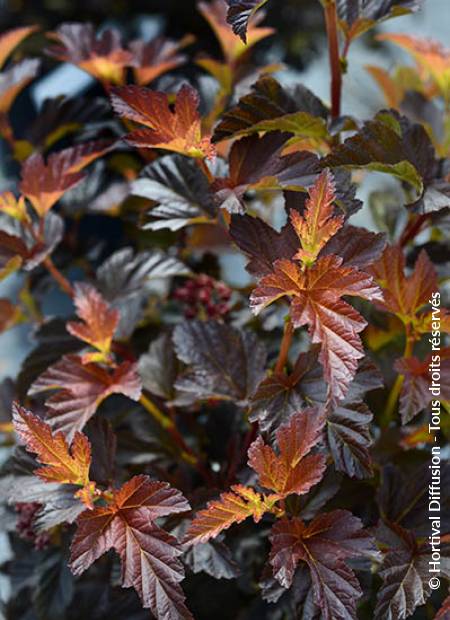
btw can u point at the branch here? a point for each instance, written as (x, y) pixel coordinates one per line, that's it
(333, 52)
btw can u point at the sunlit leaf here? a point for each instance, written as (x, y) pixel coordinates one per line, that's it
(176, 130)
(99, 322)
(101, 55)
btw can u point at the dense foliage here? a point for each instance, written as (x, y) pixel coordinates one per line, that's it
(225, 448)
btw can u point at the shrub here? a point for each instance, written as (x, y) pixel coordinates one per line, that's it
(184, 426)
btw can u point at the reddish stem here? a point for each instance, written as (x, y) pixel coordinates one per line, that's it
(285, 345)
(58, 276)
(413, 228)
(333, 52)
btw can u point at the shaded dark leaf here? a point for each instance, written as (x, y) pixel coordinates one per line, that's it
(264, 108)
(257, 163)
(224, 362)
(180, 190)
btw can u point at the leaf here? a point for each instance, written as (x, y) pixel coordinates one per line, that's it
(404, 295)
(14, 80)
(14, 207)
(415, 395)
(149, 556)
(405, 574)
(319, 223)
(10, 315)
(100, 55)
(43, 183)
(279, 395)
(432, 57)
(240, 13)
(53, 342)
(261, 243)
(215, 13)
(271, 107)
(348, 430)
(60, 116)
(181, 192)
(12, 253)
(99, 322)
(178, 130)
(81, 388)
(256, 163)
(325, 544)
(390, 143)
(233, 507)
(54, 589)
(315, 296)
(293, 470)
(224, 362)
(157, 56)
(159, 366)
(60, 464)
(213, 558)
(126, 280)
(403, 497)
(357, 246)
(355, 18)
(75, 158)
(10, 39)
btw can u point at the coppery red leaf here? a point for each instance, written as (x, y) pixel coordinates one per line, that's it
(80, 389)
(99, 322)
(148, 554)
(176, 130)
(315, 296)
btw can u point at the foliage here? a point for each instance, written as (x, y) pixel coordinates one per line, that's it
(183, 426)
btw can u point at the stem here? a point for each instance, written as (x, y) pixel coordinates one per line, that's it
(58, 276)
(333, 52)
(204, 168)
(397, 387)
(169, 425)
(158, 415)
(285, 345)
(413, 228)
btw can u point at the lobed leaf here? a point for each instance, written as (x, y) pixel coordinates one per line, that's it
(233, 507)
(60, 463)
(224, 362)
(157, 56)
(43, 183)
(291, 471)
(315, 296)
(180, 190)
(325, 544)
(100, 55)
(149, 555)
(216, 12)
(99, 322)
(318, 223)
(392, 144)
(405, 573)
(271, 107)
(178, 130)
(81, 388)
(404, 295)
(257, 163)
